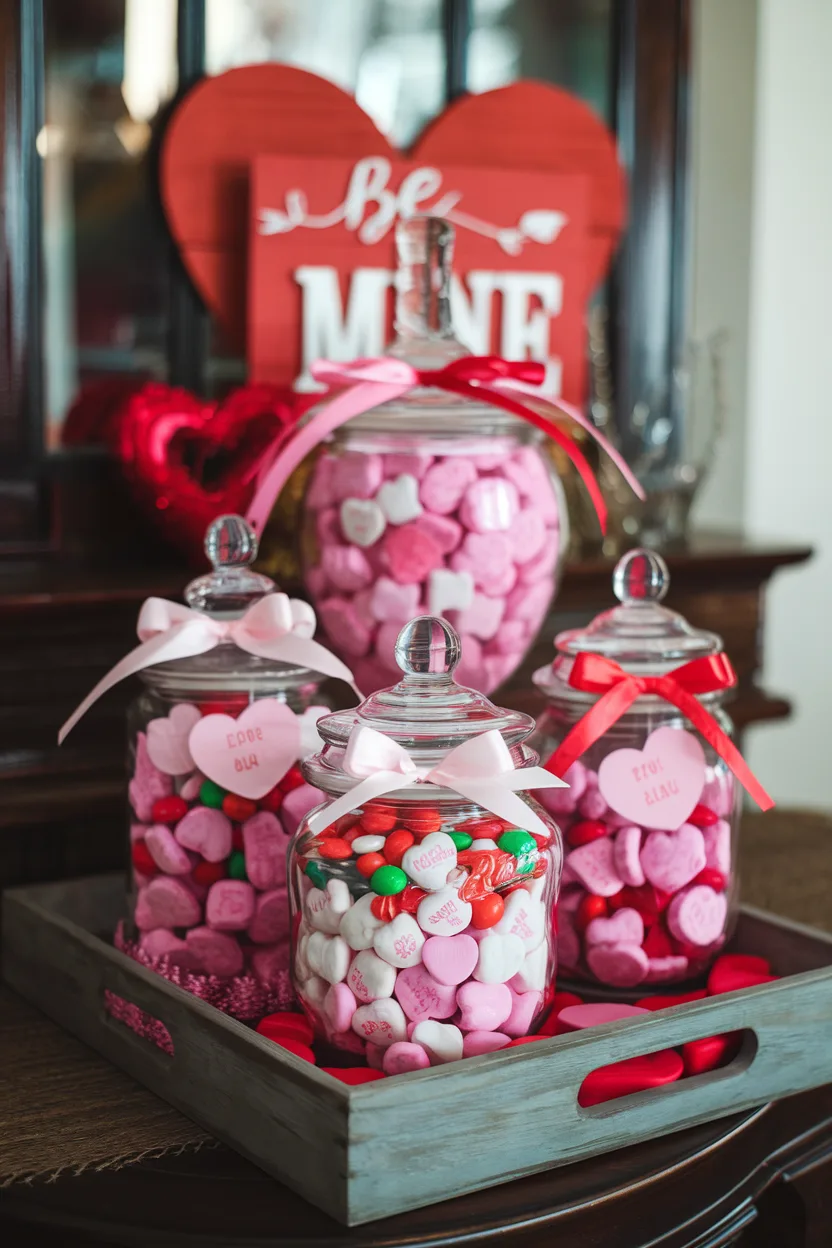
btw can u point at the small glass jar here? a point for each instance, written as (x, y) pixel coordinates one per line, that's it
(422, 927)
(432, 503)
(207, 903)
(651, 816)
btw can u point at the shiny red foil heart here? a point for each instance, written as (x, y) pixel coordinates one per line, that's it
(188, 461)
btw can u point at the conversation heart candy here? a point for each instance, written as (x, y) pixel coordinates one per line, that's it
(483, 1007)
(327, 526)
(594, 865)
(381, 1023)
(490, 505)
(623, 966)
(298, 803)
(717, 840)
(340, 619)
(671, 966)
(167, 740)
(444, 484)
(450, 959)
(593, 804)
(399, 499)
(441, 1041)
(190, 789)
(475, 1043)
(404, 1056)
(166, 902)
(359, 925)
(162, 943)
(500, 957)
(356, 474)
(215, 953)
(271, 921)
(524, 1007)
(362, 521)
(393, 603)
(543, 565)
(626, 927)
(265, 844)
(411, 553)
(445, 531)
(370, 977)
(429, 863)
(346, 567)
(229, 906)
(422, 996)
(671, 859)
(314, 992)
(448, 591)
(626, 850)
(339, 1006)
(697, 915)
(206, 831)
(487, 556)
(334, 959)
(482, 619)
(523, 917)
(415, 462)
(400, 942)
(270, 963)
(532, 975)
(656, 787)
(148, 783)
(527, 534)
(443, 913)
(166, 851)
(596, 1014)
(311, 950)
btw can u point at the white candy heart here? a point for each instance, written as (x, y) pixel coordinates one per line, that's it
(381, 1022)
(302, 968)
(449, 591)
(335, 960)
(400, 941)
(441, 1041)
(443, 913)
(314, 951)
(313, 992)
(370, 977)
(362, 521)
(340, 898)
(320, 911)
(525, 918)
(430, 863)
(500, 958)
(399, 499)
(359, 925)
(532, 974)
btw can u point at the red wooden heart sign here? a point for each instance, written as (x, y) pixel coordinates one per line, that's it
(228, 121)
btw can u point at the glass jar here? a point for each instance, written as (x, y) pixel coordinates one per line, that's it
(433, 503)
(652, 812)
(422, 927)
(207, 905)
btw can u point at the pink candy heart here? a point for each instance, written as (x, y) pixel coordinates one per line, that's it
(482, 619)
(594, 865)
(394, 603)
(490, 505)
(214, 952)
(626, 927)
(265, 845)
(404, 1056)
(623, 966)
(205, 831)
(656, 787)
(339, 1007)
(167, 740)
(672, 859)
(626, 854)
(229, 906)
(247, 755)
(148, 783)
(421, 996)
(718, 846)
(346, 567)
(450, 959)
(444, 484)
(355, 474)
(166, 851)
(483, 1007)
(166, 902)
(271, 919)
(697, 916)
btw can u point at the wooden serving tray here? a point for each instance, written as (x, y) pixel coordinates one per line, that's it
(404, 1142)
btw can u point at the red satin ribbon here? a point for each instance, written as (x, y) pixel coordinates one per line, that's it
(592, 673)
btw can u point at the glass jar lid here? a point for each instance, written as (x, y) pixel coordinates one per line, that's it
(427, 712)
(642, 636)
(226, 593)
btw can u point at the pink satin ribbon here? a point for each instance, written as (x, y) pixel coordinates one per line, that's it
(481, 769)
(275, 627)
(372, 382)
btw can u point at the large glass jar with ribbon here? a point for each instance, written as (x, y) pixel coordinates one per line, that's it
(433, 491)
(230, 701)
(423, 890)
(635, 722)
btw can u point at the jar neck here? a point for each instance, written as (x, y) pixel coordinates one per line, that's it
(423, 281)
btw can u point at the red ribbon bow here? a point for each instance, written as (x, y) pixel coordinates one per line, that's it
(592, 673)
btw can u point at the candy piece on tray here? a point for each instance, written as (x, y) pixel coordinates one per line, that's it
(635, 1074)
(733, 971)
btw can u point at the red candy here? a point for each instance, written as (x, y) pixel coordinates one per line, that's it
(665, 1002)
(656, 943)
(354, 1075)
(208, 873)
(738, 970)
(591, 907)
(635, 1074)
(272, 801)
(334, 847)
(586, 831)
(292, 780)
(237, 841)
(702, 817)
(368, 863)
(238, 808)
(292, 1045)
(649, 901)
(423, 822)
(397, 845)
(409, 899)
(288, 1025)
(377, 819)
(169, 809)
(143, 859)
(710, 1052)
(713, 878)
(486, 911)
(481, 827)
(386, 908)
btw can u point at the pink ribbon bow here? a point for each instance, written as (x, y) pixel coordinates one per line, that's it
(274, 627)
(481, 769)
(375, 381)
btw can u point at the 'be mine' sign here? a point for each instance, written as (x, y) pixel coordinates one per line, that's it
(656, 787)
(247, 755)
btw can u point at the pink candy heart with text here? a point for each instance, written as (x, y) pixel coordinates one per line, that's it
(247, 755)
(656, 787)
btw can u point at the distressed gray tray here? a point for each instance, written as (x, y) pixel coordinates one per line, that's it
(376, 1150)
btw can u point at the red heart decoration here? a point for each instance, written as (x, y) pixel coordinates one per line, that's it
(227, 120)
(188, 461)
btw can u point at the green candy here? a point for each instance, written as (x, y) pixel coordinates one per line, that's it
(517, 842)
(461, 839)
(315, 873)
(211, 794)
(237, 865)
(387, 881)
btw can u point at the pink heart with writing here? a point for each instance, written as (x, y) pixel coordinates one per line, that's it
(656, 787)
(249, 754)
